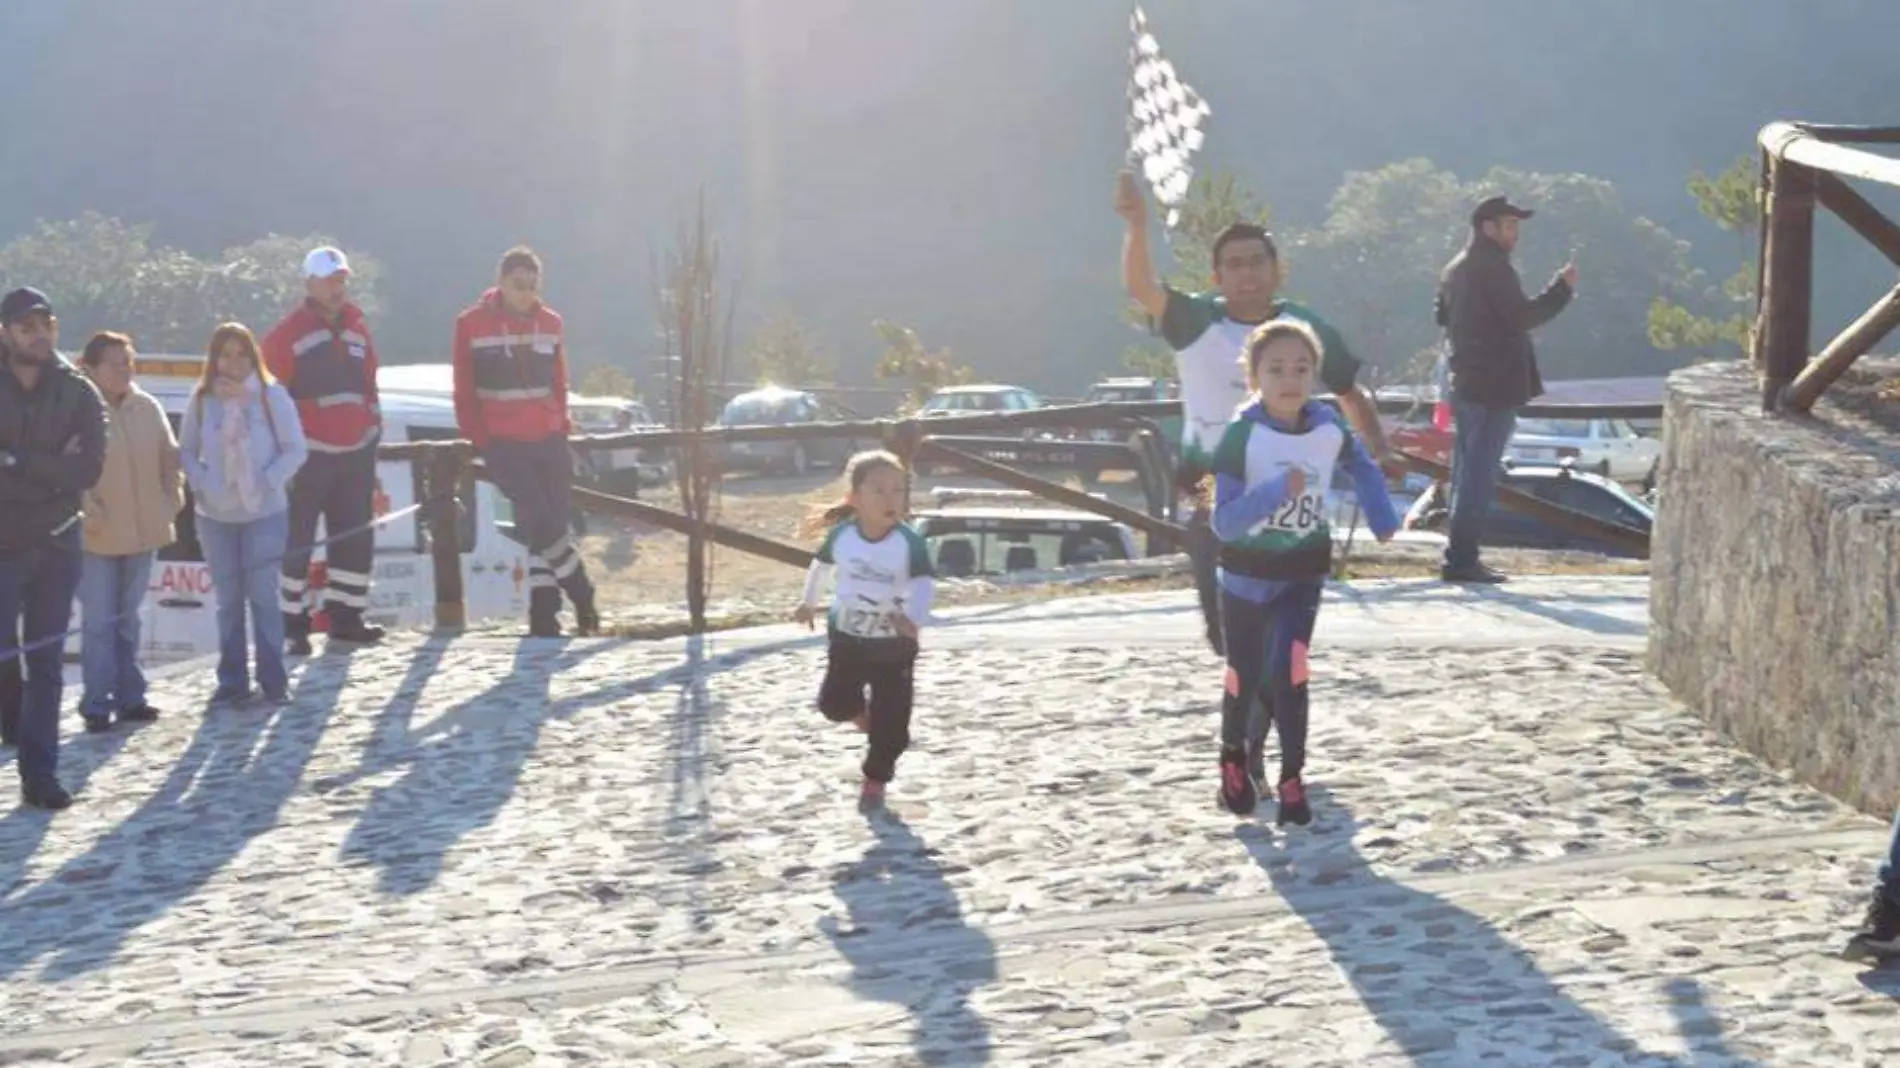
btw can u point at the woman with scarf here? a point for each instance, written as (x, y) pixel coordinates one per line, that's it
(241, 441)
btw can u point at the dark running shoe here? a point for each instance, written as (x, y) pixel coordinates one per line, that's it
(1237, 794)
(140, 713)
(586, 617)
(1475, 575)
(49, 796)
(1879, 934)
(1293, 806)
(97, 724)
(356, 632)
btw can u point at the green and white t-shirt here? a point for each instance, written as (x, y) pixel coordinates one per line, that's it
(875, 579)
(1207, 353)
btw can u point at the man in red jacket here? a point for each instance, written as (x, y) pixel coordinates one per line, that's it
(323, 355)
(511, 403)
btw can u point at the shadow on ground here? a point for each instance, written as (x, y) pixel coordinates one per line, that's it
(894, 893)
(1389, 923)
(228, 787)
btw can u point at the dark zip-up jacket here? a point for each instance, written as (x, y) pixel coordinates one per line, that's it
(56, 434)
(1482, 306)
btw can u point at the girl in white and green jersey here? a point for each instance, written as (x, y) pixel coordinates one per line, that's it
(1272, 466)
(880, 599)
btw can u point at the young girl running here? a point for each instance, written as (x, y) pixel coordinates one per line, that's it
(1272, 469)
(882, 597)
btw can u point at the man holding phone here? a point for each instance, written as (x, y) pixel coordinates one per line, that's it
(1488, 320)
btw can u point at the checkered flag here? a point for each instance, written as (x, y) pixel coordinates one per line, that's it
(1165, 117)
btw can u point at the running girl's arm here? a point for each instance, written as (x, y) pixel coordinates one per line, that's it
(816, 577)
(1369, 481)
(1237, 508)
(918, 594)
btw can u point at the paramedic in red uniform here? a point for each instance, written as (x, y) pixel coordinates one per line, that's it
(323, 355)
(511, 403)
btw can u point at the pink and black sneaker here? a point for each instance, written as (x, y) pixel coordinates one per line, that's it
(871, 796)
(1237, 793)
(1293, 806)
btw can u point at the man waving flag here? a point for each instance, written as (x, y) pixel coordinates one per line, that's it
(1165, 117)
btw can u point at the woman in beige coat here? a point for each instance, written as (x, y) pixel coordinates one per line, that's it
(129, 517)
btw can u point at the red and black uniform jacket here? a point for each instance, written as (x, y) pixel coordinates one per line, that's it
(510, 373)
(329, 367)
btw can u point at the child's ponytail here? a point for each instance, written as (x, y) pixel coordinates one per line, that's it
(821, 520)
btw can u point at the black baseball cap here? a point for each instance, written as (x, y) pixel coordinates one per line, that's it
(1498, 208)
(23, 302)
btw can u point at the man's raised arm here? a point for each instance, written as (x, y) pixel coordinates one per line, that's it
(1138, 272)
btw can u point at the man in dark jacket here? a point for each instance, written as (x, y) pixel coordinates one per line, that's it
(52, 450)
(1482, 306)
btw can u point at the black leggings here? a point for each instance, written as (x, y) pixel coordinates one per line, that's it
(885, 667)
(1266, 666)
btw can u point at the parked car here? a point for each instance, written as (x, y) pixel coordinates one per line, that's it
(1421, 431)
(980, 532)
(1578, 490)
(980, 398)
(617, 471)
(1610, 447)
(778, 406)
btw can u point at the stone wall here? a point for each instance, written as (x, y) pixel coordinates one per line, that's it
(1775, 580)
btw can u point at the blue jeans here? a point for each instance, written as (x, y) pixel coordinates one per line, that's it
(1890, 871)
(244, 560)
(36, 594)
(111, 588)
(1480, 437)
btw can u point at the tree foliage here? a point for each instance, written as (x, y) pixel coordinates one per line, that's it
(922, 370)
(1151, 359)
(1732, 201)
(105, 274)
(606, 381)
(785, 353)
(1373, 266)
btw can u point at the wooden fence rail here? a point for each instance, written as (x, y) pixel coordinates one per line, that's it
(1803, 164)
(445, 464)
(1072, 417)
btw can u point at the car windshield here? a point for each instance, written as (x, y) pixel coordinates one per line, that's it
(754, 410)
(1121, 393)
(961, 553)
(964, 402)
(593, 414)
(1554, 428)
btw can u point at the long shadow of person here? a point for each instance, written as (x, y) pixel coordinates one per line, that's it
(24, 829)
(459, 772)
(228, 787)
(893, 895)
(1460, 966)
(462, 768)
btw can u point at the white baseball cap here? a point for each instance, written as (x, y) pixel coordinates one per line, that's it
(324, 262)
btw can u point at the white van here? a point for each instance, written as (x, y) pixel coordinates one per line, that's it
(179, 615)
(618, 471)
